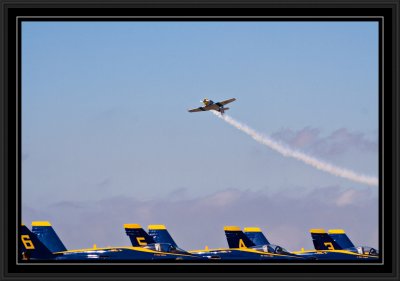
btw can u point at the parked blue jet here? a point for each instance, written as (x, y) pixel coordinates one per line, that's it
(156, 241)
(254, 240)
(337, 246)
(344, 242)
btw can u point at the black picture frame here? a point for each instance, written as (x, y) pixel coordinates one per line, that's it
(14, 11)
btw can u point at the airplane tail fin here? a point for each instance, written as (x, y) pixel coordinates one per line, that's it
(137, 235)
(222, 110)
(236, 238)
(322, 241)
(30, 246)
(256, 236)
(340, 237)
(46, 234)
(160, 234)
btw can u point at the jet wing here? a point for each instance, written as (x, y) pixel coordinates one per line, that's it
(221, 103)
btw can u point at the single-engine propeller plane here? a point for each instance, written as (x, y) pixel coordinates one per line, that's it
(210, 105)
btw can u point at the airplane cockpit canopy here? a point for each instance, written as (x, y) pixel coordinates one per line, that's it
(367, 251)
(166, 248)
(364, 250)
(271, 248)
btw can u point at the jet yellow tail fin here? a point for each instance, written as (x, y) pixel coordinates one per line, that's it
(46, 234)
(256, 236)
(137, 235)
(236, 238)
(160, 234)
(322, 241)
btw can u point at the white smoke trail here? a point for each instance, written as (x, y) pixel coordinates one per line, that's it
(288, 152)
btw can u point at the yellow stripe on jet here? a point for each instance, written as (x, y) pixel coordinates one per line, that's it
(157, 227)
(239, 250)
(41, 223)
(261, 252)
(138, 249)
(336, 231)
(231, 228)
(334, 251)
(252, 229)
(317, 230)
(132, 225)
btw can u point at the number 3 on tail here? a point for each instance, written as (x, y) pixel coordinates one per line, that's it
(329, 246)
(27, 242)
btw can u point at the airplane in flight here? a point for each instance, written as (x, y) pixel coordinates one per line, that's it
(210, 105)
(46, 245)
(335, 245)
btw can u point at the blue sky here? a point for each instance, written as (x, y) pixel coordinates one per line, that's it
(105, 127)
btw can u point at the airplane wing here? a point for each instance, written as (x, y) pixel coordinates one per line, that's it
(225, 102)
(214, 106)
(197, 109)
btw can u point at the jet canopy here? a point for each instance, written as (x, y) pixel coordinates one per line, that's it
(367, 250)
(166, 248)
(364, 250)
(275, 249)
